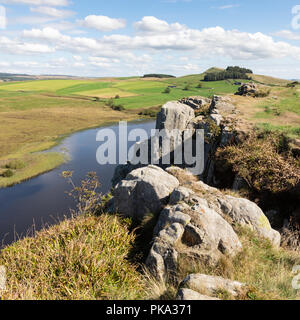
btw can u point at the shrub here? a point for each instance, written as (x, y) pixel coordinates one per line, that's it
(261, 93)
(119, 107)
(167, 90)
(187, 87)
(148, 113)
(199, 86)
(15, 164)
(7, 173)
(117, 97)
(110, 102)
(259, 161)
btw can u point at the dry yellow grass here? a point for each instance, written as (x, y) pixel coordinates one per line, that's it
(31, 130)
(269, 80)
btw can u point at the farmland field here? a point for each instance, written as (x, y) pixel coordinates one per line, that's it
(133, 92)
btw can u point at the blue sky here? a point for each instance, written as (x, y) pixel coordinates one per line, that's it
(133, 37)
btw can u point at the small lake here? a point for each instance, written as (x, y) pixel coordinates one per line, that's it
(42, 201)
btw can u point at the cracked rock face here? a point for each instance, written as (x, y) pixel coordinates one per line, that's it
(144, 191)
(174, 115)
(201, 231)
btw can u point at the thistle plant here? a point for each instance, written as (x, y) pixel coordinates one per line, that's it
(87, 197)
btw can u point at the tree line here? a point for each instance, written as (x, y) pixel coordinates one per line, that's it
(229, 73)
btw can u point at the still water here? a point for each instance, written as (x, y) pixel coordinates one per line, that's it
(42, 201)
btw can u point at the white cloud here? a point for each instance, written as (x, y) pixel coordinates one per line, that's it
(55, 3)
(102, 23)
(152, 24)
(287, 34)
(228, 6)
(77, 58)
(19, 47)
(53, 12)
(204, 43)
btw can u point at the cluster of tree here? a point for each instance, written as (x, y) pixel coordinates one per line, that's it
(229, 73)
(158, 75)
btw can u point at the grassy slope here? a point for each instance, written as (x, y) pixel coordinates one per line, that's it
(78, 259)
(266, 271)
(280, 111)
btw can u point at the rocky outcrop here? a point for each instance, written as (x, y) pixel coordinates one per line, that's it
(211, 286)
(248, 89)
(144, 190)
(247, 213)
(194, 220)
(196, 103)
(174, 115)
(221, 104)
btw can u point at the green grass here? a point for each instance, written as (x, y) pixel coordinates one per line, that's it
(291, 131)
(134, 92)
(285, 108)
(80, 259)
(83, 87)
(266, 271)
(30, 166)
(42, 85)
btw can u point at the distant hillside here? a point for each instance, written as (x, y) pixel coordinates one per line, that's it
(158, 75)
(269, 80)
(8, 77)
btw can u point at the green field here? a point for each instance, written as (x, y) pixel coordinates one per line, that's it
(133, 92)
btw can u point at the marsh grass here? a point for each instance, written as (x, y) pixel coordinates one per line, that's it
(29, 167)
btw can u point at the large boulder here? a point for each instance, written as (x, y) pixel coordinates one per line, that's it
(209, 232)
(247, 213)
(145, 190)
(248, 89)
(174, 115)
(212, 285)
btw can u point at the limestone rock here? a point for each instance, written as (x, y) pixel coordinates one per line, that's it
(221, 104)
(196, 102)
(174, 115)
(180, 194)
(172, 234)
(170, 215)
(248, 213)
(212, 285)
(247, 89)
(209, 231)
(188, 294)
(144, 191)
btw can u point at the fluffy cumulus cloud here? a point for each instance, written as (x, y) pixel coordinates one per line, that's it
(160, 35)
(103, 23)
(22, 48)
(152, 38)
